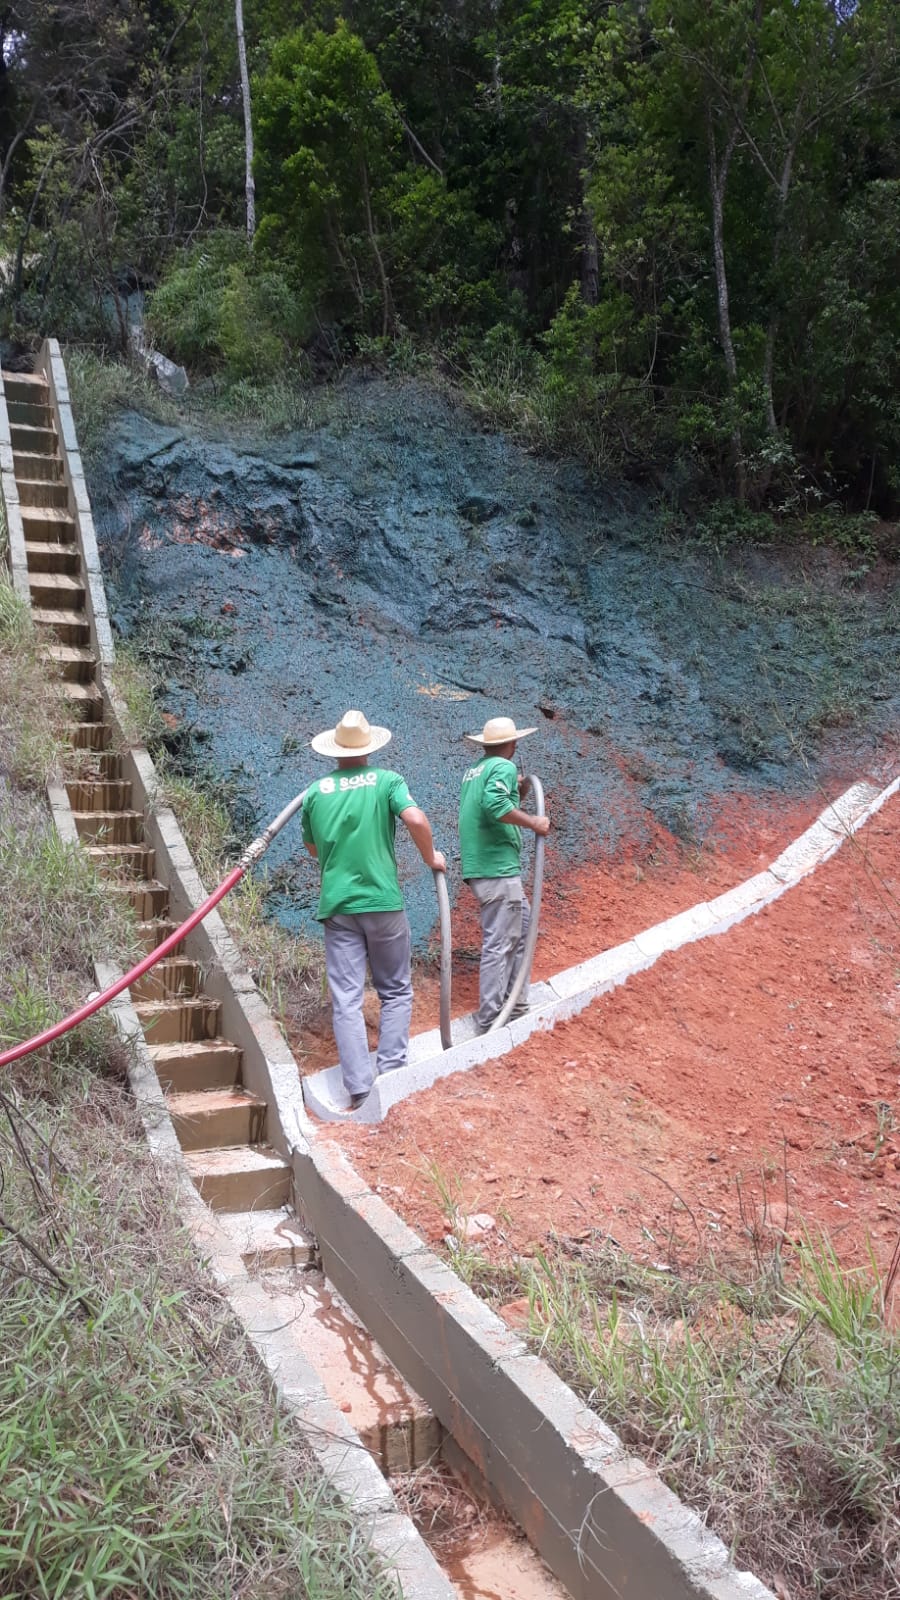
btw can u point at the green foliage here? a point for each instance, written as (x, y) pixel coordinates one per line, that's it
(684, 210)
(221, 307)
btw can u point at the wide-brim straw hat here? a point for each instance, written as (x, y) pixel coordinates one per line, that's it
(499, 730)
(353, 736)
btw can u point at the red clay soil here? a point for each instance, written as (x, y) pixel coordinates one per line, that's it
(752, 1079)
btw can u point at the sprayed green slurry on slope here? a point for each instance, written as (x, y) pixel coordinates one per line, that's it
(398, 558)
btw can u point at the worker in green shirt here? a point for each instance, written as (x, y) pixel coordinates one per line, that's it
(490, 823)
(348, 823)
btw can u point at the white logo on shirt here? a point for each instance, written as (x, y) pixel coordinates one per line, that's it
(326, 786)
(362, 780)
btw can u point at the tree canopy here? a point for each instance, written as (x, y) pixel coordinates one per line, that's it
(671, 225)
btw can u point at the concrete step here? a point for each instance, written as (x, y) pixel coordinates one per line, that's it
(111, 827)
(136, 861)
(148, 899)
(32, 413)
(69, 627)
(151, 934)
(56, 591)
(213, 1119)
(189, 1066)
(175, 977)
(32, 467)
(83, 701)
(171, 1021)
(393, 1422)
(98, 794)
(33, 441)
(240, 1179)
(25, 386)
(268, 1239)
(43, 556)
(33, 492)
(48, 522)
(74, 662)
(90, 736)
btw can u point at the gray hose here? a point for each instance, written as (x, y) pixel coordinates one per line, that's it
(523, 975)
(443, 898)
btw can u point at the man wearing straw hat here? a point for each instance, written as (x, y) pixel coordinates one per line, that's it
(490, 823)
(348, 824)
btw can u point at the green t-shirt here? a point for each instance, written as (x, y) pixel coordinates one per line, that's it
(490, 847)
(351, 817)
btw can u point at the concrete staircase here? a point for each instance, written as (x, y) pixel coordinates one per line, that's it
(221, 1127)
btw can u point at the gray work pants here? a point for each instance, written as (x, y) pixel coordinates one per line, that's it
(383, 938)
(505, 915)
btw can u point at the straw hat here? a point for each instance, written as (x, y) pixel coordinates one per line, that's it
(353, 736)
(499, 730)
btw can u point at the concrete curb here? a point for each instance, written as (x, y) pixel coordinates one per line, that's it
(567, 993)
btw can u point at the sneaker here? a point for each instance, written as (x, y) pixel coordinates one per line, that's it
(356, 1100)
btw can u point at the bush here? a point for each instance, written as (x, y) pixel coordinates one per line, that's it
(221, 308)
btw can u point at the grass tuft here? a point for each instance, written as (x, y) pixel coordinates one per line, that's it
(767, 1396)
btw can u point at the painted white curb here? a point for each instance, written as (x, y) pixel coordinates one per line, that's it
(571, 990)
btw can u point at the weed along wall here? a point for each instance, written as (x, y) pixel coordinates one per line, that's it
(604, 1523)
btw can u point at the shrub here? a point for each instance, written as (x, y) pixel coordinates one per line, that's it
(222, 308)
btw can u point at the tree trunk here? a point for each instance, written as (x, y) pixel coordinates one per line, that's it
(718, 179)
(387, 304)
(784, 185)
(249, 185)
(589, 260)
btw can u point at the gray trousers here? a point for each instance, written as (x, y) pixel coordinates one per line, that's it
(383, 938)
(505, 915)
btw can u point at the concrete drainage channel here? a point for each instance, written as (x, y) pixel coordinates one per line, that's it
(344, 1304)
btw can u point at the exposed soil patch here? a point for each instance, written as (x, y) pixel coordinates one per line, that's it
(751, 1080)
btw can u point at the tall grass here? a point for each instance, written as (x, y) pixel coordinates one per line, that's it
(100, 387)
(767, 1396)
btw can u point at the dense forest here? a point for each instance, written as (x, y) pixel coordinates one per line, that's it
(662, 233)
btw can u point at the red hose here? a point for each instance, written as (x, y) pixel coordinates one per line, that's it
(100, 1000)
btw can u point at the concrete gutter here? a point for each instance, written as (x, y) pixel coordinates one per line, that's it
(15, 532)
(603, 1521)
(50, 364)
(570, 991)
